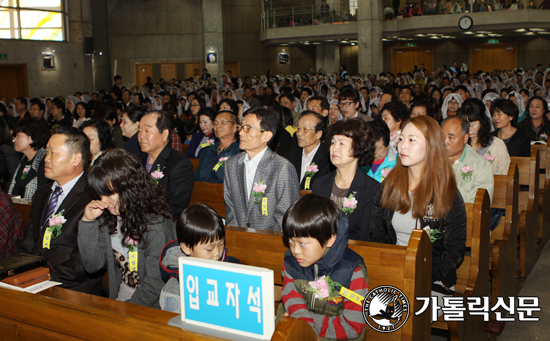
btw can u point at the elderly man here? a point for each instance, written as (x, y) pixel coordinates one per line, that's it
(350, 105)
(21, 107)
(68, 152)
(247, 96)
(168, 167)
(472, 171)
(311, 159)
(259, 185)
(319, 105)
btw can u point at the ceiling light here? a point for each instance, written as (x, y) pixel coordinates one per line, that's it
(520, 30)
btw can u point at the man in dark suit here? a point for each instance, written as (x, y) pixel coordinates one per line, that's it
(116, 87)
(170, 168)
(311, 152)
(253, 102)
(68, 152)
(205, 74)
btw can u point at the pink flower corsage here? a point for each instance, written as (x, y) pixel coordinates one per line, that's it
(157, 175)
(349, 204)
(467, 173)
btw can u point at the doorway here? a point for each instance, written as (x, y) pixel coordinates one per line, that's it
(14, 80)
(176, 69)
(405, 58)
(489, 57)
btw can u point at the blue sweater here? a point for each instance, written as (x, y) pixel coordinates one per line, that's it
(209, 158)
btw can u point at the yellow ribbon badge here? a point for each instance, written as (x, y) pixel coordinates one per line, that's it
(133, 255)
(47, 239)
(308, 180)
(352, 296)
(217, 166)
(264, 206)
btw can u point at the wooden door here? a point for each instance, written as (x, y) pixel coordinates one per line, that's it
(142, 71)
(405, 58)
(168, 71)
(489, 57)
(14, 80)
(190, 69)
(232, 65)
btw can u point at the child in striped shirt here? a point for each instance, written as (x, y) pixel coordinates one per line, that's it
(316, 266)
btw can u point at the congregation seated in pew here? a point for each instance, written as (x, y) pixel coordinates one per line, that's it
(409, 199)
(201, 234)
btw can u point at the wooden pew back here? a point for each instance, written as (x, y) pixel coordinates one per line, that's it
(544, 195)
(86, 317)
(209, 193)
(407, 268)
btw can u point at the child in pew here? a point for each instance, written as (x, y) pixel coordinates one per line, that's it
(201, 234)
(318, 256)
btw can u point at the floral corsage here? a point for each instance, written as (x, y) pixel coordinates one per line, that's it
(25, 172)
(489, 157)
(157, 175)
(56, 224)
(349, 204)
(311, 170)
(325, 288)
(434, 234)
(466, 173)
(258, 191)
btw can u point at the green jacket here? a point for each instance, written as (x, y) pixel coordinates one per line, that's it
(480, 176)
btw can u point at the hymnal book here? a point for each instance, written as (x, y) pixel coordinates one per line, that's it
(18, 263)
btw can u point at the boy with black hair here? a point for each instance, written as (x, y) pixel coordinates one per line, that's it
(201, 234)
(318, 255)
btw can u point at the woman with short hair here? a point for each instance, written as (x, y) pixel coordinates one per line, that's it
(99, 134)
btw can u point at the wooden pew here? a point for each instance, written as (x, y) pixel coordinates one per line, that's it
(24, 210)
(528, 207)
(184, 147)
(56, 314)
(544, 196)
(407, 268)
(209, 193)
(504, 238)
(195, 163)
(473, 273)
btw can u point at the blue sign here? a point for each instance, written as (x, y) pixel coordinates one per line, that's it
(228, 297)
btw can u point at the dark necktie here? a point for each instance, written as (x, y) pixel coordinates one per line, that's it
(50, 209)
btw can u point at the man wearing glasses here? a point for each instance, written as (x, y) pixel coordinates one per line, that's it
(311, 153)
(350, 105)
(259, 185)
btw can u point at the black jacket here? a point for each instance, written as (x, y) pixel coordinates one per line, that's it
(321, 160)
(178, 179)
(63, 256)
(365, 188)
(527, 127)
(447, 252)
(519, 144)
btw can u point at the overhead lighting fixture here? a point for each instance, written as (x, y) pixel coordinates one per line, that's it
(536, 29)
(352, 44)
(469, 33)
(330, 40)
(435, 38)
(520, 30)
(420, 35)
(480, 35)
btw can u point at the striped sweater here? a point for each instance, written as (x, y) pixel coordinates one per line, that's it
(348, 325)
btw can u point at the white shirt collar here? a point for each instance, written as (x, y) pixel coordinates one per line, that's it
(69, 185)
(256, 159)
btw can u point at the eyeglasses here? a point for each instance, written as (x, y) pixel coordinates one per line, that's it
(221, 123)
(345, 104)
(246, 128)
(305, 130)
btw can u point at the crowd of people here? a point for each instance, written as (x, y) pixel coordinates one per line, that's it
(108, 180)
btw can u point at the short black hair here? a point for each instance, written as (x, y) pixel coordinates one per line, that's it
(82, 104)
(22, 100)
(268, 119)
(76, 141)
(232, 104)
(473, 110)
(397, 110)
(5, 135)
(288, 95)
(544, 103)
(117, 77)
(208, 112)
(460, 87)
(190, 127)
(506, 106)
(379, 131)
(41, 106)
(324, 102)
(37, 130)
(349, 92)
(164, 121)
(103, 133)
(135, 114)
(363, 143)
(311, 216)
(199, 224)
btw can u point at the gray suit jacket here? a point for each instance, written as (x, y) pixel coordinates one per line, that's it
(282, 189)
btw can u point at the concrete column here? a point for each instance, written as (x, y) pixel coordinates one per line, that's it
(369, 35)
(327, 56)
(213, 35)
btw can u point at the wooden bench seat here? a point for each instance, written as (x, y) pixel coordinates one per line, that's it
(407, 268)
(473, 273)
(528, 208)
(60, 314)
(504, 254)
(544, 196)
